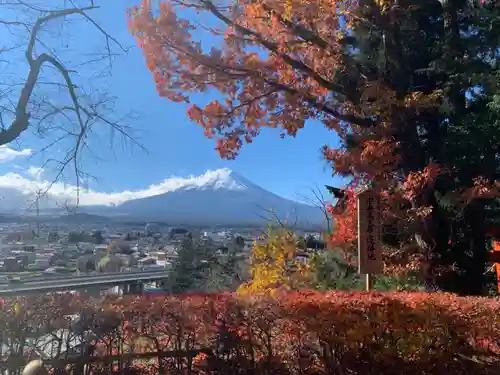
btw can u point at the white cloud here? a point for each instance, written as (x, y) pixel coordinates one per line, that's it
(8, 154)
(61, 192)
(35, 172)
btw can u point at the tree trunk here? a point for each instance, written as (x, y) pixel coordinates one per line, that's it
(455, 252)
(433, 240)
(473, 266)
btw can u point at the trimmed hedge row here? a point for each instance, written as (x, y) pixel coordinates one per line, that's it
(286, 333)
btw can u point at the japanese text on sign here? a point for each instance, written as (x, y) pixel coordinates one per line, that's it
(369, 251)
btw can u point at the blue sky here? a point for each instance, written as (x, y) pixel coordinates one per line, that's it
(175, 146)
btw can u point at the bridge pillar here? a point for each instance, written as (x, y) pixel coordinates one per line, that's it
(135, 288)
(160, 283)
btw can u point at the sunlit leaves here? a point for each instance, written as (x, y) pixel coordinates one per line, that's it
(299, 332)
(274, 264)
(417, 181)
(274, 68)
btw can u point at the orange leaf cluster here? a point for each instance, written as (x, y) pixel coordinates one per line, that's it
(375, 161)
(483, 188)
(345, 219)
(300, 332)
(416, 182)
(269, 71)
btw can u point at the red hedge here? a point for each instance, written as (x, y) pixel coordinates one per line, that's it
(311, 333)
(326, 333)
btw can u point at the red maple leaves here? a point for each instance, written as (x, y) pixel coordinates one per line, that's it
(215, 333)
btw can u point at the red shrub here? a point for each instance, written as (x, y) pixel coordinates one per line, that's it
(311, 333)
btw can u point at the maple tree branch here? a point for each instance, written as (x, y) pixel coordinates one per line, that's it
(43, 20)
(306, 35)
(323, 107)
(21, 120)
(235, 72)
(296, 64)
(320, 106)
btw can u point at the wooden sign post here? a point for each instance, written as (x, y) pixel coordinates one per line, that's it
(369, 249)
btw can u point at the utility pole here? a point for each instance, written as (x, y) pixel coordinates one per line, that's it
(37, 213)
(37, 208)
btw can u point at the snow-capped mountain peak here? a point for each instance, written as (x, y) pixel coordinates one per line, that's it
(220, 197)
(216, 197)
(216, 179)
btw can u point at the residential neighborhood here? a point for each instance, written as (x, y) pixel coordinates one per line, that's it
(57, 249)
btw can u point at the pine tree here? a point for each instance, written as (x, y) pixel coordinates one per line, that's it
(189, 269)
(446, 52)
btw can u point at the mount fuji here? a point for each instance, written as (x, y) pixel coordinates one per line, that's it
(221, 197)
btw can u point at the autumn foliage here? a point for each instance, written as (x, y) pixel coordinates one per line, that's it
(274, 264)
(282, 89)
(389, 78)
(398, 250)
(288, 333)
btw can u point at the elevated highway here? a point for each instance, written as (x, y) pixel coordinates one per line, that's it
(38, 285)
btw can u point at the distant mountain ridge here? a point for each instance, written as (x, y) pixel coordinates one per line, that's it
(220, 197)
(227, 198)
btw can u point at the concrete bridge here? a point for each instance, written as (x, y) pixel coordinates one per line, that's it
(131, 281)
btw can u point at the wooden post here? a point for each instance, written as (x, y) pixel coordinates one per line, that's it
(368, 282)
(369, 249)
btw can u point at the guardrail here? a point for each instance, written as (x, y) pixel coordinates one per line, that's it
(79, 282)
(60, 277)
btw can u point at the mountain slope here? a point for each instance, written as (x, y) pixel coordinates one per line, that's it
(223, 199)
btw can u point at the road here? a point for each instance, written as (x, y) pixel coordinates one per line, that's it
(44, 285)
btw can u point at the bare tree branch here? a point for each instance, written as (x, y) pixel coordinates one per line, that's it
(318, 200)
(273, 218)
(23, 108)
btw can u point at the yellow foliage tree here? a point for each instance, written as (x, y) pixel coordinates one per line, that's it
(274, 264)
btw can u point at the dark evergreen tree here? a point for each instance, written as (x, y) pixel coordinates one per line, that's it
(449, 47)
(239, 241)
(190, 268)
(98, 237)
